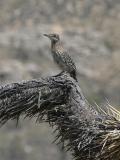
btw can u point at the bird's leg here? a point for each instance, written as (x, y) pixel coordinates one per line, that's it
(59, 73)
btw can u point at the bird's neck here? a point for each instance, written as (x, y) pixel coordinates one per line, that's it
(55, 46)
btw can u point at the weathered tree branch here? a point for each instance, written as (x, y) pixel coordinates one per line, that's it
(89, 134)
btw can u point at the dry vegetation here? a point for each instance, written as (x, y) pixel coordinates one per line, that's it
(90, 30)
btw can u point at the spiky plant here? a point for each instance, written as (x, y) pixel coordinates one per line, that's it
(89, 132)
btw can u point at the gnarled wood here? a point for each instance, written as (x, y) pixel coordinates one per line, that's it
(89, 134)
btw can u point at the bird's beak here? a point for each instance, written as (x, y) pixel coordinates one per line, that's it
(46, 35)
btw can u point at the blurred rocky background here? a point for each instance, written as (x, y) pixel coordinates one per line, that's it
(90, 30)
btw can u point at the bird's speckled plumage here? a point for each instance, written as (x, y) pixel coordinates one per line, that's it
(60, 56)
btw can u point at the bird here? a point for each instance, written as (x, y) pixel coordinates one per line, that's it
(61, 56)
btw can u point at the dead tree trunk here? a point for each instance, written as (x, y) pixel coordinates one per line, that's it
(87, 133)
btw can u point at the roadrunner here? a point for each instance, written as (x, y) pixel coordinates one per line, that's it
(61, 56)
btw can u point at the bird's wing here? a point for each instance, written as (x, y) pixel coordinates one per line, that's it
(68, 60)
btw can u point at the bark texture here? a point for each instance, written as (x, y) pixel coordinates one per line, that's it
(87, 132)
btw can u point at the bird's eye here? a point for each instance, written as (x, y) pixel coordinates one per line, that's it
(54, 36)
